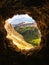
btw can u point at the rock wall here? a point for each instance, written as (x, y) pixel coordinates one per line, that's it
(39, 10)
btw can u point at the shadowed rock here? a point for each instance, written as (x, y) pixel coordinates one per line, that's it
(39, 10)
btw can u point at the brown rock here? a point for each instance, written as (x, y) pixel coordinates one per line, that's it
(39, 10)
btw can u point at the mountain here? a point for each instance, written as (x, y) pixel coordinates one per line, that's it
(23, 24)
(30, 32)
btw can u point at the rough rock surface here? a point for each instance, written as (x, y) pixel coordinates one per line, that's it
(39, 10)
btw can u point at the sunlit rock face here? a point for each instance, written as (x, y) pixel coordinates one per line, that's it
(24, 35)
(17, 39)
(27, 27)
(39, 10)
(23, 32)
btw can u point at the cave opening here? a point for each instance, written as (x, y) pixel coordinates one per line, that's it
(37, 9)
(22, 29)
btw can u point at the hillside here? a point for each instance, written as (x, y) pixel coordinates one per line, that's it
(30, 33)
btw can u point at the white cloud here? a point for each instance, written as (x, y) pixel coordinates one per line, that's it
(20, 18)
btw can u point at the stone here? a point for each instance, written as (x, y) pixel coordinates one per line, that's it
(39, 10)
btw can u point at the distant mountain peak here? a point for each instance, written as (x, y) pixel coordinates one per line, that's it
(26, 22)
(23, 23)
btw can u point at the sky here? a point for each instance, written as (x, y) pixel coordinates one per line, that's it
(16, 19)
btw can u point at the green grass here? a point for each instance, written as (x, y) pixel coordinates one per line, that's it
(30, 34)
(36, 41)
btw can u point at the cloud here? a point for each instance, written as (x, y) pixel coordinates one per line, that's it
(21, 18)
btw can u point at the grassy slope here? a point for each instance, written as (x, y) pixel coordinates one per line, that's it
(31, 34)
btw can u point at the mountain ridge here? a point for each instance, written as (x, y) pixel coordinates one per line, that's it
(24, 24)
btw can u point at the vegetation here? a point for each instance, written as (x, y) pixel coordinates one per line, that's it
(31, 34)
